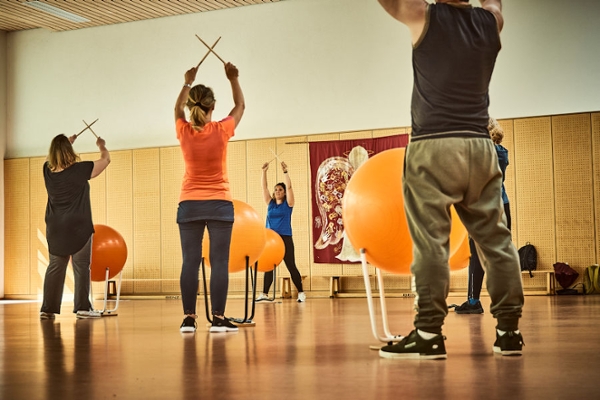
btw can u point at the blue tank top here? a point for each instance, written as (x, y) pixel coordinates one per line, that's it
(453, 63)
(279, 217)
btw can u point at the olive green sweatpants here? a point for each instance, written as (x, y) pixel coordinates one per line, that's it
(464, 173)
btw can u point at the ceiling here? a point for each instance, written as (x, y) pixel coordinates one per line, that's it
(16, 16)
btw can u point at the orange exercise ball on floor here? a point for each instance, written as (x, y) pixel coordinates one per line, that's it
(273, 252)
(108, 251)
(247, 238)
(374, 218)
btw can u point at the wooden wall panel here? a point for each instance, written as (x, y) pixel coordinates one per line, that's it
(97, 192)
(574, 203)
(146, 221)
(596, 180)
(237, 170)
(39, 246)
(356, 135)
(390, 132)
(171, 176)
(535, 187)
(552, 182)
(17, 227)
(98, 197)
(119, 206)
(257, 153)
(238, 179)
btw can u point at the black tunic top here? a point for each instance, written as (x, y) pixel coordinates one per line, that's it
(453, 64)
(68, 211)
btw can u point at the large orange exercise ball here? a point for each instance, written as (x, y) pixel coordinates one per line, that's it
(108, 251)
(374, 218)
(247, 238)
(273, 252)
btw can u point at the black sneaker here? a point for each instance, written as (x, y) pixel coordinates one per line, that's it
(468, 308)
(188, 325)
(415, 347)
(509, 344)
(222, 325)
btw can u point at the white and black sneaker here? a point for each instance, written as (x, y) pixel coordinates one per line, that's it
(188, 325)
(509, 343)
(301, 297)
(415, 347)
(222, 325)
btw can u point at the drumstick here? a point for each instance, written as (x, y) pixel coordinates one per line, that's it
(276, 155)
(87, 127)
(211, 50)
(90, 127)
(208, 52)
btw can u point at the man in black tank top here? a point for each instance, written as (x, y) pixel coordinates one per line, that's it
(451, 161)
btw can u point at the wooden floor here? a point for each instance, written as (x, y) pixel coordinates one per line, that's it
(315, 350)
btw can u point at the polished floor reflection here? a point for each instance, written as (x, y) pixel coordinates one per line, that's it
(315, 350)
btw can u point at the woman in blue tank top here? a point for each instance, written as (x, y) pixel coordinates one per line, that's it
(280, 205)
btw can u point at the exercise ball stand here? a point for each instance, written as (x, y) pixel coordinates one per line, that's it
(239, 322)
(105, 312)
(387, 335)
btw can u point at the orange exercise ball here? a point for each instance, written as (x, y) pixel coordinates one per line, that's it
(108, 251)
(247, 238)
(374, 218)
(273, 252)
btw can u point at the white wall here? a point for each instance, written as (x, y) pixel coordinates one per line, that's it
(306, 66)
(2, 151)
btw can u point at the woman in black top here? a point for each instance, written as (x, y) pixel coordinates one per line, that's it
(69, 226)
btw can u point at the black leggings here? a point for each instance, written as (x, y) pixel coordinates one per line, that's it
(191, 234)
(476, 272)
(290, 262)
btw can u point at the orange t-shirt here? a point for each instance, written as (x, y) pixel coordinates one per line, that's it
(205, 157)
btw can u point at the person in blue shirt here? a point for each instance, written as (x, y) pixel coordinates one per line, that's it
(280, 205)
(476, 273)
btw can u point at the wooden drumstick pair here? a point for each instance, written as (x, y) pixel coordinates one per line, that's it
(88, 126)
(210, 50)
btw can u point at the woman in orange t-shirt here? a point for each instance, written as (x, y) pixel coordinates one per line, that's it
(205, 200)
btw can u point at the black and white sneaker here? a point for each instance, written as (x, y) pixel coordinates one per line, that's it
(222, 325)
(509, 344)
(188, 325)
(415, 347)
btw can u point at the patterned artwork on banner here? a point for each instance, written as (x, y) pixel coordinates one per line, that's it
(332, 164)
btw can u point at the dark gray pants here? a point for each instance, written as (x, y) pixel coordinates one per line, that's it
(191, 234)
(54, 281)
(464, 173)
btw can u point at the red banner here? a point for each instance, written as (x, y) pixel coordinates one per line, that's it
(332, 164)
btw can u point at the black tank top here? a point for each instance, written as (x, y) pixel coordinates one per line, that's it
(453, 63)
